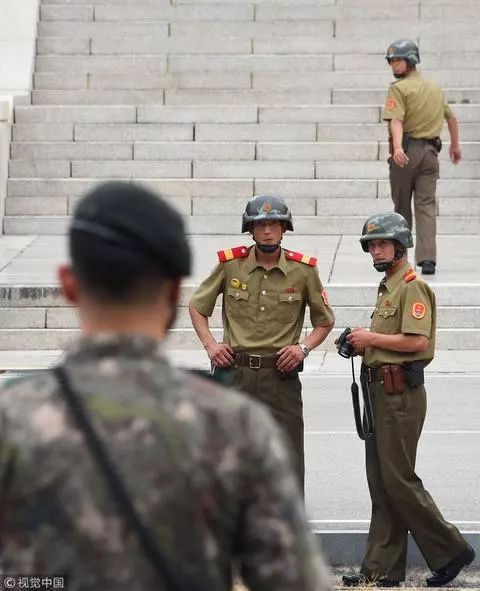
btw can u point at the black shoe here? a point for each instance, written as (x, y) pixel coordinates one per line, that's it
(358, 579)
(428, 267)
(447, 573)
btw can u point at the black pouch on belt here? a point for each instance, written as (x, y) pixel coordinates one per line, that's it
(437, 144)
(414, 373)
(405, 142)
(393, 379)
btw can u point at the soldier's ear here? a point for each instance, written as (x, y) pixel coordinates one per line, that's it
(68, 283)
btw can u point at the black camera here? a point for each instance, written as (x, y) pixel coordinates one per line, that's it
(345, 349)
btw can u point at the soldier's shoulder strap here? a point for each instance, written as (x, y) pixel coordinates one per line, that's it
(229, 254)
(410, 275)
(300, 258)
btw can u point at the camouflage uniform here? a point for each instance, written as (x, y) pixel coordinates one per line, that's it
(204, 467)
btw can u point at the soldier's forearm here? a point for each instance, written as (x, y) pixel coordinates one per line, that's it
(201, 326)
(317, 336)
(396, 129)
(404, 343)
(453, 131)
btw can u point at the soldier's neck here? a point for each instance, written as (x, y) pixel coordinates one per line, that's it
(398, 265)
(267, 259)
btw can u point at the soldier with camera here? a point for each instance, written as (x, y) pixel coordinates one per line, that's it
(396, 349)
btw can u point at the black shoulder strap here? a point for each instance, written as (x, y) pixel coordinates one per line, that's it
(146, 540)
(365, 427)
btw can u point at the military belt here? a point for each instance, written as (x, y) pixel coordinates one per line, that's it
(413, 372)
(255, 361)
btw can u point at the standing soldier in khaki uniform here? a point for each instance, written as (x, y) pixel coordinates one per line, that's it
(264, 293)
(396, 349)
(415, 110)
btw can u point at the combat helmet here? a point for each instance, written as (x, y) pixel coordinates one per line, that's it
(386, 226)
(266, 207)
(404, 48)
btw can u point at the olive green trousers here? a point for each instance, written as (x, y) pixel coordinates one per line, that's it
(400, 502)
(283, 398)
(418, 178)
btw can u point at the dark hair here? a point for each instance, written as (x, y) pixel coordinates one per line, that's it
(112, 272)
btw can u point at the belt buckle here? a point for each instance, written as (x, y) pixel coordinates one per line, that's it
(255, 361)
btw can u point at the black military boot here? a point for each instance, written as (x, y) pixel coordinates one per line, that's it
(447, 573)
(357, 579)
(428, 267)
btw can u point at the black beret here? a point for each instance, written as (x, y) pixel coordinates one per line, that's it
(132, 217)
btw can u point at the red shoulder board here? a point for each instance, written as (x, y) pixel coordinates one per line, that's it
(232, 253)
(301, 258)
(410, 275)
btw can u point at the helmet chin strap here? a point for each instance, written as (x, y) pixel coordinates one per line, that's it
(267, 248)
(385, 266)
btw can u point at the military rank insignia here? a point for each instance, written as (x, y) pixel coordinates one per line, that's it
(410, 275)
(418, 310)
(232, 253)
(301, 258)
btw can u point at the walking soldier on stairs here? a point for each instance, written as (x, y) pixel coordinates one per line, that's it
(396, 349)
(415, 110)
(265, 289)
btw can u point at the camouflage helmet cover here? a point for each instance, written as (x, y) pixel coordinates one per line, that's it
(404, 48)
(266, 207)
(387, 226)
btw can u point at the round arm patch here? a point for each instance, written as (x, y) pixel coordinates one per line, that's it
(418, 310)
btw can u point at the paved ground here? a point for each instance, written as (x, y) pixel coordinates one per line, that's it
(32, 259)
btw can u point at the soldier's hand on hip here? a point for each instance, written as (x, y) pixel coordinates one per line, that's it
(455, 154)
(289, 358)
(220, 354)
(400, 158)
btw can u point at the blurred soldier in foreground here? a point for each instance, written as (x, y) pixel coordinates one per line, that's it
(195, 475)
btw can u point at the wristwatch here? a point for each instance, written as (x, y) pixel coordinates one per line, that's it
(304, 348)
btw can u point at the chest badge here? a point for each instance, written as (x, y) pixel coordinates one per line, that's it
(235, 283)
(418, 310)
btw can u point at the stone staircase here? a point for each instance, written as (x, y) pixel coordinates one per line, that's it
(212, 102)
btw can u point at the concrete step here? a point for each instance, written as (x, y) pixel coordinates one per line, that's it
(58, 317)
(147, 12)
(352, 114)
(58, 339)
(203, 206)
(242, 188)
(147, 166)
(177, 97)
(137, 81)
(449, 295)
(228, 225)
(92, 44)
(117, 132)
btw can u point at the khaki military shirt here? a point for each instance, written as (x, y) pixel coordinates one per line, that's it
(419, 103)
(262, 310)
(205, 466)
(403, 307)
